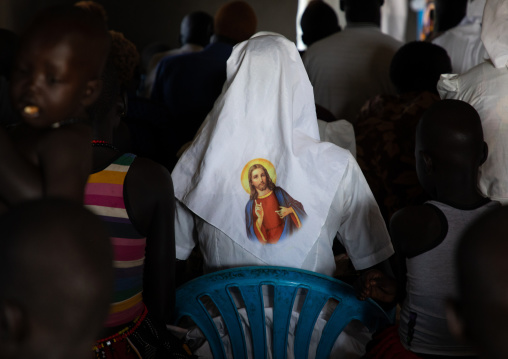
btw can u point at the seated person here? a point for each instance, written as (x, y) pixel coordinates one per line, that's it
(256, 187)
(386, 125)
(55, 278)
(134, 198)
(56, 76)
(477, 313)
(449, 151)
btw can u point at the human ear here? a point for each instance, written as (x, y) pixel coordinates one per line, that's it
(13, 328)
(454, 319)
(427, 160)
(92, 92)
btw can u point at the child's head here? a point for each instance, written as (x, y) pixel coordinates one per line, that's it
(479, 313)
(116, 78)
(56, 280)
(59, 64)
(449, 145)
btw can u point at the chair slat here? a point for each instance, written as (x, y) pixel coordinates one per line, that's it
(193, 308)
(285, 282)
(254, 305)
(283, 300)
(314, 303)
(227, 307)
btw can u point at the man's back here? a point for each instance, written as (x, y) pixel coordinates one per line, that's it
(349, 67)
(189, 84)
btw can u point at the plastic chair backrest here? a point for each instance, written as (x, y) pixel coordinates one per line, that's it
(286, 283)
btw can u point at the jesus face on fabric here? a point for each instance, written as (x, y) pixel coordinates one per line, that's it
(271, 214)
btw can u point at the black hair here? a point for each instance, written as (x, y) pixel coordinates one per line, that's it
(197, 28)
(318, 21)
(417, 66)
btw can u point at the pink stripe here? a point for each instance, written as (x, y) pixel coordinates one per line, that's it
(128, 249)
(125, 316)
(104, 188)
(104, 201)
(128, 241)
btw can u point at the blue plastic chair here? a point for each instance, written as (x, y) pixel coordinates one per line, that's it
(286, 283)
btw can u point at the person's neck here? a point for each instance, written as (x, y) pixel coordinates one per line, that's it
(354, 24)
(102, 155)
(457, 197)
(263, 193)
(222, 39)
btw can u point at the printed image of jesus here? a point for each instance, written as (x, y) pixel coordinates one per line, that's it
(271, 213)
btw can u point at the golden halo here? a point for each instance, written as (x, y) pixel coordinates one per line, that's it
(245, 172)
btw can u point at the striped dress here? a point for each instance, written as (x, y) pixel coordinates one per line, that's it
(104, 196)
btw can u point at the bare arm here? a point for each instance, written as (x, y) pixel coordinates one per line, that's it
(414, 230)
(20, 180)
(66, 161)
(151, 206)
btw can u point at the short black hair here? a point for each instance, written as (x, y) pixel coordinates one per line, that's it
(417, 66)
(196, 28)
(318, 21)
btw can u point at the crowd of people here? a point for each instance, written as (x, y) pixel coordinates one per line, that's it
(120, 169)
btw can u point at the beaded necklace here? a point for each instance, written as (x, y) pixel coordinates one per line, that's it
(101, 143)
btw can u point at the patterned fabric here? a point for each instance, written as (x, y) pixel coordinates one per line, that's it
(385, 144)
(104, 196)
(142, 339)
(386, 345)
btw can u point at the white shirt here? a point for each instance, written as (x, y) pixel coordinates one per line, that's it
(340, 133)
(485, 88)
(349, 67)
(354, 215)
(464, 45)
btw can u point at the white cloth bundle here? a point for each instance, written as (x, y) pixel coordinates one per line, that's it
(494, 30)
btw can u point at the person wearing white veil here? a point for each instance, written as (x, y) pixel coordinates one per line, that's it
(484, 87)
(463, 42)
(287, 211)
(266, 116)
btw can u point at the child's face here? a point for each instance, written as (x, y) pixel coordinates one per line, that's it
(48, 82)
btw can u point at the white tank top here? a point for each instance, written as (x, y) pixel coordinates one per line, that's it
(430, 281)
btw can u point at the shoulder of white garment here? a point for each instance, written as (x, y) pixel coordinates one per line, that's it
(448, 85)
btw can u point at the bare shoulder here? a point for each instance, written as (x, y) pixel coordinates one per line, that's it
(150, 175)
(56, 146)
(149, 193)
(416, 229)
(67, 140)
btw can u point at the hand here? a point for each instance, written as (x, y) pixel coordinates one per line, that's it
(376, 285)
(284, 211)
(259, 213)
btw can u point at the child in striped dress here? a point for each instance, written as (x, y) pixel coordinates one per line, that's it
(134, 197)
